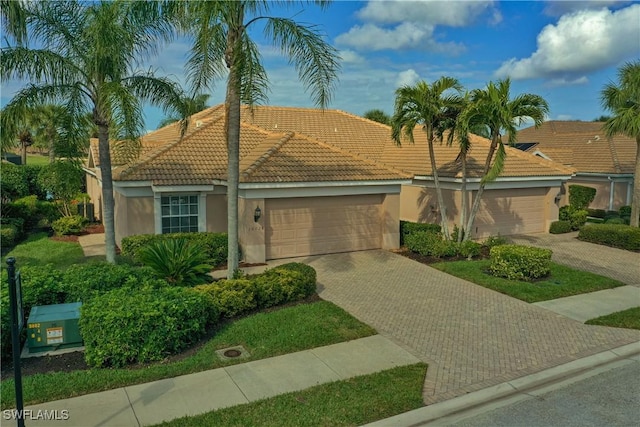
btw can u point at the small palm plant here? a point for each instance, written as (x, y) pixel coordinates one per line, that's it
(178, 261)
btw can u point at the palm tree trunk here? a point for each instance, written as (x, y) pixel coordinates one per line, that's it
(443, 209)
(462, 234)
(476, 201)
(23, 154)
(107, 191)
(635, 203)
(232, 127)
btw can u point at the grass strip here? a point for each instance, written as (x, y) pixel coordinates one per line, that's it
(268, 334)
(562, 282)
(629, 319)
(38, 249)
(351, 402)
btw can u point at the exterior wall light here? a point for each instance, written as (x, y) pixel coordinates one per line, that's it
(257, 214)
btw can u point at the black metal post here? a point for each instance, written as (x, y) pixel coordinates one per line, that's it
(15, 339)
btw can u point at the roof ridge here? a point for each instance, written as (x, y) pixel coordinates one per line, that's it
(122, 171)
(614, 155)
(363, 119)
(246, 173)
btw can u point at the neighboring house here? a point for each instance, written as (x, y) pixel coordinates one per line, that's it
(606, 164)
(319, 181)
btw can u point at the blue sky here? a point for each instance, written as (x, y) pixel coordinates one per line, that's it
(564, 51)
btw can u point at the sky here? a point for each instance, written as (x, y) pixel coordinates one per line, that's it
(564, 51)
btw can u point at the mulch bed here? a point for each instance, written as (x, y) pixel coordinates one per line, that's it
(90, 229)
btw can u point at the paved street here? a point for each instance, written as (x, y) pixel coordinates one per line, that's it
(608, 399)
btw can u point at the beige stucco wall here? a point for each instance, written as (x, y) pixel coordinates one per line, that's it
(390, 211)
(217, 213)
(250, 232)
(94, 190)
(133, 215)
(420, 204)
(603, 192)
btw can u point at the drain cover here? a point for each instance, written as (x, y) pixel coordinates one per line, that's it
(233, 353)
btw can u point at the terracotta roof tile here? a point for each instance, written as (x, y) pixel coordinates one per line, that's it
(583, 146)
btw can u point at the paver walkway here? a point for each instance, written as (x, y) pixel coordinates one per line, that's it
(568, 250)
(471, 337)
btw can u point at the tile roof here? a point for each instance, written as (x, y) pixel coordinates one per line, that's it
(282, 144)
(583, 146)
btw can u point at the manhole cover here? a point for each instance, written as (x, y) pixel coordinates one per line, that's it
(232, 353)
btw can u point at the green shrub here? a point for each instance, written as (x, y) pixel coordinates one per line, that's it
(597, 213)
(24, 208)
(31, 173)
(281, 285)
(231, 297)
(9, 234)
(407, 228)
(13, 182)
(560, 227)
(564, 214)
(624, 211)
(48, 211)
(122, 327)
(470, 249)
(611, 214)
(308, 280)
(69, 225)
(178, 261)
(615, 235)
(578, 218)
(214, 244)
(495, 241)
(580, 196)
(595, 220)
(515, 262)
(615, 221)
(422, 242)
(445, 248)
(82, 282)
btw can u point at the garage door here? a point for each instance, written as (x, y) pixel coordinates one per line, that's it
(514, 211)
(320, 225)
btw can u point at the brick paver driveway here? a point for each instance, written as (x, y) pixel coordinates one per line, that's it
(470, 336)
(568, 250)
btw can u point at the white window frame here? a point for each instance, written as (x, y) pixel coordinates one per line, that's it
(202, 208)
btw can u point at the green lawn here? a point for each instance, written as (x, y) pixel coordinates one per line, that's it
(562, 282)
(38, 249)
(356, 401)
(264, 335)
(622, 319)
(37, 159)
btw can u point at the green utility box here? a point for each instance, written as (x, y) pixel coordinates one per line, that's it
(53, 327)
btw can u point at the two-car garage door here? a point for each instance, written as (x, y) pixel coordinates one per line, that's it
(320, 225)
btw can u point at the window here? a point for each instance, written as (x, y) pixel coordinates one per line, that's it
(179, 213)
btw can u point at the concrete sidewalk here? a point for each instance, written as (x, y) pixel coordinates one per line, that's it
(201, 392)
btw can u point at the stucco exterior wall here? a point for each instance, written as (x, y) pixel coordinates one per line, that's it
(216, 213)
(133, 215)
(94, 190)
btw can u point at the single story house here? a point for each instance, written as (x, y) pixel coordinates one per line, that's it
(313, 182)
(606, 164)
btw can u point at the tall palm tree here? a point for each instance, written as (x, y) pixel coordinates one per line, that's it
(623, 100)
(222, 44)
(493, 109)
(435, 108)
(87, 60)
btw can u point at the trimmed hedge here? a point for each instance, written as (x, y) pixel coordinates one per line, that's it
(516, 262)
(422, 242)
(69, 225)
(215, 244)
(597, 213)
(615, 235)
(580, 196)
(575, 217)
(155, 323)
(560, 227)
(9, 235)
(230, 297)
(407, 228)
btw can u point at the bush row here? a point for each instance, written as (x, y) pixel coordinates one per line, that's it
(575, 217)
(407, 228)
(516, 262)
(20, 181)
(560, 227)
(432, 244)
(615, 235)
(214, 244)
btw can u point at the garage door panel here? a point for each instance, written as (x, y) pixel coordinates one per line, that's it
(322, 225)
(512, 212)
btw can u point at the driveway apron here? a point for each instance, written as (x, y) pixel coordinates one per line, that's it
(471, 337)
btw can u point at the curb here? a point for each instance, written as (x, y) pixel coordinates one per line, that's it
(510, 391)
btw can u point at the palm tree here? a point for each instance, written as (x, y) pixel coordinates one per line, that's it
(623, 100)
(87, 58)
(377, 116)
(193, 105)
(494, 110)
(435, 108)
(222, 44)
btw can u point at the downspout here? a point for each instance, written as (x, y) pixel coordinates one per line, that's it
(629, 192)
(611, 190)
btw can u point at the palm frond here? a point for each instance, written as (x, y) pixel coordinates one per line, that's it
(498, 165)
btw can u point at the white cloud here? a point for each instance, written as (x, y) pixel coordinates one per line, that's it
(433, 12)
(400, 24)
(564, 117)
(407, 78)
(350, 57)
(579, 43)
(562, 7)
